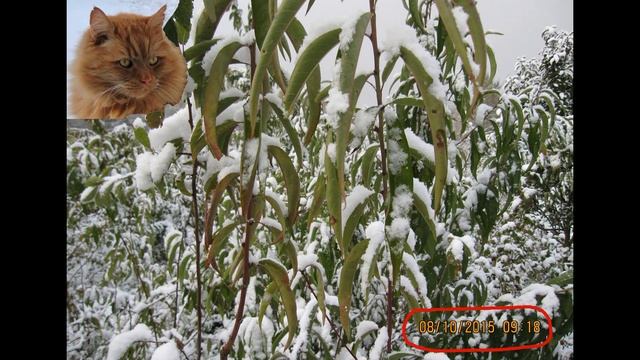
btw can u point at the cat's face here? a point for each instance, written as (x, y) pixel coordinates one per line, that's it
(128, 56)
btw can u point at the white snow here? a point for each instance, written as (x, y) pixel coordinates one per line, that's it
(211, 54)
(174, 127)
(160, 162)
(397, 157)
(461, 20)
(234, 112)
(481, 113)
(436, 356)
(364, 327)
(231, 92)
(121, 342)
(362, 122)
(306, 260)
(347, 32)
(420, 146)
(456, 248)
(375, 234)
(550, 302)
(405, 283)
(378, 346)
(143, 171)
(405, 36)
(166, 351)
(411, 263)
(214, 165)
(320, 28)
(337, 103)
(331, 152)
(399, 228)
(274, 99)
(270, 222)
(356, 197)
(402, 202)
(138, 123)
(305, 320)
(283, 208)
(424, 195)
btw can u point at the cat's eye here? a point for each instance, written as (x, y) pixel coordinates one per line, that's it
(153, 60)
(125, 62)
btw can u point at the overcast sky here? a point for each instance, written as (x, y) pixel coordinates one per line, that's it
(521, 22)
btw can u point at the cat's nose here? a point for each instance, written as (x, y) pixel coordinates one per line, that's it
(146, 79)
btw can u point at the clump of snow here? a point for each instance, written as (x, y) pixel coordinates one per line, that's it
(461, 20)
(305, 321)
(283, 208)
(160, 162)
(212, 53)
(257, 337)
(252, 154)
(274, 99)
(481, 113)
(424, 195)
(402, 202)
(436, 356)
(320, 28)
(397, 157)
(174, 127)
(166, 351)
(331, 152)
(231, 92)
(306, 260)
(337, 103)
(362, 122)
(347, 32)
(375, 234)
(457, 244)
(234, 112)
(411, 263)
(120, 343)
(214, 165)
(138, 123)
(399, 228)
(378, 346)
(405, 36)
(420, 146)
(364, 327)
(270, 222)
(143, 171)
(357, 196)
(405, 283)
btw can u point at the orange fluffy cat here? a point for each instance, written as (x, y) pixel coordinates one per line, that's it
(125, 65)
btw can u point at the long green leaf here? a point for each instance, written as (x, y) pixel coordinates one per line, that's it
(279, 274)
(435, 109)
(347, 276)
(477, 36)
(348, 62)
(283, 17)
(212, 93)
(444, 9)
(307, 61)
(291, 180)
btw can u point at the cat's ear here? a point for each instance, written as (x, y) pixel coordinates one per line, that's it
(100, 25)
(156, 20)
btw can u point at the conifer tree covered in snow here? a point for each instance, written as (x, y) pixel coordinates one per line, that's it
(272, 215)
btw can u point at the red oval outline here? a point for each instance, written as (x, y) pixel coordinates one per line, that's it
(494, 307)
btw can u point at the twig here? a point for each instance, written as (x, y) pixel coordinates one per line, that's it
(383, 154)
(194, 197)
(333, 327)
